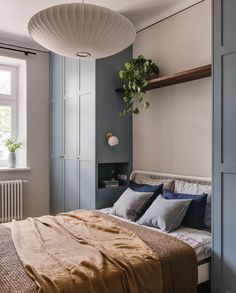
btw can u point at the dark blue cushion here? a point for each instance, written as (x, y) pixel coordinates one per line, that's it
(194, 217)
(145, 187)
(156, 189)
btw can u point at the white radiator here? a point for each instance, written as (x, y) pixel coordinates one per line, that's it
(10, 200)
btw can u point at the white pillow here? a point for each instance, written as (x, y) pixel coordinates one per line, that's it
(196, 188)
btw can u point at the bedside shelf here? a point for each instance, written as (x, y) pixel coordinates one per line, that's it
(108, 170)
(176, 78)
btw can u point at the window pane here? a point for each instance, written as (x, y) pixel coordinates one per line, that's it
(5, 82)
(5, 129)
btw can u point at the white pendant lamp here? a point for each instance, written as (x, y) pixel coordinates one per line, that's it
(81, 30)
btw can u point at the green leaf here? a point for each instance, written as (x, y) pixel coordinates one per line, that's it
(127, 66)
(146, 105)
(140, 98)
(126, 99)
(121, 74)
(135, 110)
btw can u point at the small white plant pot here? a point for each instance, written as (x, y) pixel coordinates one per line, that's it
(12, 160)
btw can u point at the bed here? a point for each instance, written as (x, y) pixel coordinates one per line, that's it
(199, 240)
(144, 262)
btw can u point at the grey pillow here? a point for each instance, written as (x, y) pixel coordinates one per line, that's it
(166, 214)
(130, 204)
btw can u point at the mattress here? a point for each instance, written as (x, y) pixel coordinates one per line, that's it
(199, 240)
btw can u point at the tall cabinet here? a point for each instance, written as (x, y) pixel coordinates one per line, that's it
(72, 132)
(224, 147)
(83, 106)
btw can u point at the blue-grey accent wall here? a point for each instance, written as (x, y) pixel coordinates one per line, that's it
(108, 105)
(224, 147)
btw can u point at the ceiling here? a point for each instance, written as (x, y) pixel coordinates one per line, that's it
(15, 14)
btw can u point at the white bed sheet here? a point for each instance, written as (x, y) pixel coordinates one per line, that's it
(199, 240)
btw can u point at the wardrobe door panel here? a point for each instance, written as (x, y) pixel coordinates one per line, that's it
(56, 186)
(56, 100)
(56, 128)
(86, 134)
(228, 21)
(70, 185)
(56, 134)
(229, 233)
(56, 76)
(70, 127)
(87, 126)
(228, 108)
(70, 133)
(224, 147)
(70, 77)
(86, 76)
(87, 184)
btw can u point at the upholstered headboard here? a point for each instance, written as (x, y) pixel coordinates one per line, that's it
(137, 176)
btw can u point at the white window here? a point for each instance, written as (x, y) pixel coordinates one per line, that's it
(8, 108)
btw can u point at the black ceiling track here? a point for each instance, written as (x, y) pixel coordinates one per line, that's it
(26, 52)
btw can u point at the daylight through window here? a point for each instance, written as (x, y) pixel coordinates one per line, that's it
(8, 107)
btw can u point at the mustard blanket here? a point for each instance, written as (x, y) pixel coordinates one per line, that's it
(81, 251)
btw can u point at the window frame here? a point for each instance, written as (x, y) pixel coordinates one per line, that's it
(11, 101)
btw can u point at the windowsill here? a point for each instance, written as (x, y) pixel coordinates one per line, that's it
(17, 169)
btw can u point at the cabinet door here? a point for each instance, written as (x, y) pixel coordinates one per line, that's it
(224, 147)
(56, 186)
(71, 70)
(56, 132)
(86, 134)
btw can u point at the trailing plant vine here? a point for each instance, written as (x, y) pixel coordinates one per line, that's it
(135, 75)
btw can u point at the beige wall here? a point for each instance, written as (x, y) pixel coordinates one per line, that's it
(36, 191)
(174, 135)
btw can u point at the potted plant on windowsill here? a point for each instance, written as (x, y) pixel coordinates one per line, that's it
(12, 144)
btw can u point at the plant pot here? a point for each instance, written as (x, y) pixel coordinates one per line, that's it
(12, 160)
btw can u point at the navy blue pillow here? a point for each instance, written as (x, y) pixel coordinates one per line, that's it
(145, 187)
(194, 217)
(157, 189)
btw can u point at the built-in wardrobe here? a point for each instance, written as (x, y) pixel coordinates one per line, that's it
(224, 146)
(83, 107)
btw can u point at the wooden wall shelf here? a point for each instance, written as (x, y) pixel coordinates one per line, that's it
(180, 77)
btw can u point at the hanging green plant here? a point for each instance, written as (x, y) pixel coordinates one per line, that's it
(135, 75)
